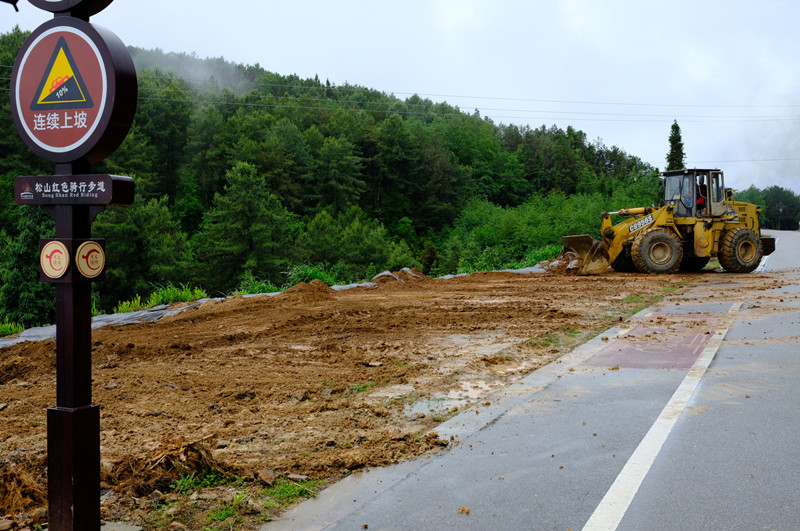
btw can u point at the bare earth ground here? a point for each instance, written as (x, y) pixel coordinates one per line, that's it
(312, 382)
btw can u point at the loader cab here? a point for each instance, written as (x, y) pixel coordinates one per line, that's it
(695, 193)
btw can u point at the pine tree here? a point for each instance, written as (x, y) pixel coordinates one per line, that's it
(676, 159)
(246, 232)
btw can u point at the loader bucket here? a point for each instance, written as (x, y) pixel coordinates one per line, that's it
(588, 255)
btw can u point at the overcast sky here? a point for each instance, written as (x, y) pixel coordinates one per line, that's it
(619, 70)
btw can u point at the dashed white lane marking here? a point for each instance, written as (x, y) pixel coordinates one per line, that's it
(609, 513)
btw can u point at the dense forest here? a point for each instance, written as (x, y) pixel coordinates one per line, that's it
(243, 175)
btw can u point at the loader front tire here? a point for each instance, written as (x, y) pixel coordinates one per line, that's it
(657, 251)
(740, 251)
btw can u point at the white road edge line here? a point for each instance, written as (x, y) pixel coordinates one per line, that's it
(609, 513)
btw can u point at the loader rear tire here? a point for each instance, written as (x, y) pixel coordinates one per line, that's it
(740, 251)
(657, 251)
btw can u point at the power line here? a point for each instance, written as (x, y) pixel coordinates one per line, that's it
(302, 86)
(419, 109)
(719, 163)
(546, 111)
(200, 101)
(788, 159)
(538, 114)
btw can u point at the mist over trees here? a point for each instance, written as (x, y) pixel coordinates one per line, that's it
(242, 173)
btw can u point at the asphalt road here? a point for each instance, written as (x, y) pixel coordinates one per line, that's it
(694, 429)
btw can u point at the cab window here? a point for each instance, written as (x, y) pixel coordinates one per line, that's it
(717, 191)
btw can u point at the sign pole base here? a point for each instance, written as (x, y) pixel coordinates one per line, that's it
(73, 468)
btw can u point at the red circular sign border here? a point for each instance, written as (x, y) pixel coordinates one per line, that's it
(43, 41)
(119, 99)
(97, 248)
(60, 247)
(85, 8)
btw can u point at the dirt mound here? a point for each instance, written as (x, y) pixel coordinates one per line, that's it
(410, 274)
(404, 276)
(304, 292)
(15, 368)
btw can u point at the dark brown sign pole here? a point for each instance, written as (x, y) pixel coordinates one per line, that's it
(73, 426)
(73, 97)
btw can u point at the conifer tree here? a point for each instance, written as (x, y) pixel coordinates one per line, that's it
(676, 159)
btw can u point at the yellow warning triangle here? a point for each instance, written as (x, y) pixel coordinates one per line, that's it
(62, 86)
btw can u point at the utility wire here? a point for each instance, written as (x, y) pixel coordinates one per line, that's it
(355, 88)
(195, 95)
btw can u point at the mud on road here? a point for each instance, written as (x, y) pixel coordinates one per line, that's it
(313, 381)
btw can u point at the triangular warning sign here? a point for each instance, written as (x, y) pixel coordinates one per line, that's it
(62, 86)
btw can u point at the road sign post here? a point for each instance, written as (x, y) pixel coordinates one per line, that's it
(73, 98)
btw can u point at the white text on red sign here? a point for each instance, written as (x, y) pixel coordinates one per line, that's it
(53, 120)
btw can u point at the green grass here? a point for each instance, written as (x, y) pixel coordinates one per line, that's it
(361, 387)
(221, 514)
(8, 328)
(133, 305)
(159, 517)
(557, 338)
(163, 294)
(169, 293)
(550, 339)
(251, 285)
(228, 514)
(285, 491)
(187, 484)
(306, 273)
(639, 298)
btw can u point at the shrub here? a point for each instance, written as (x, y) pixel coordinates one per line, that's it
(133, 305)
(251, 285)
(166, 294)
(306, 273)
(354, 245)
(170, 293)
(487, 237)
(8, 328)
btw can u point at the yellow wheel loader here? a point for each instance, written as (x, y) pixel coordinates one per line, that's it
(699, 220)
